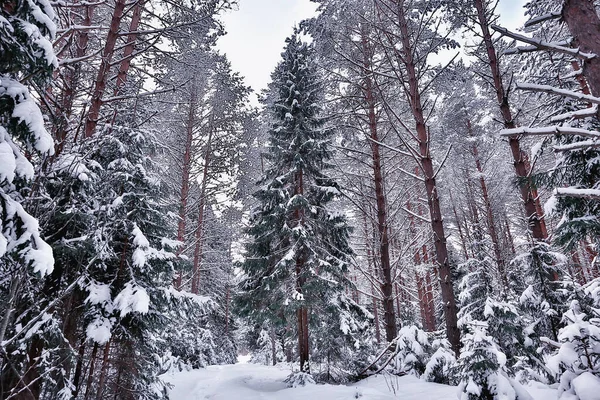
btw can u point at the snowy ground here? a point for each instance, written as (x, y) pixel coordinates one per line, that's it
(259, 382)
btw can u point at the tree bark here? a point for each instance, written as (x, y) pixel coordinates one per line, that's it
(134, 25)
(103, 370)
(71, 81)
(426, 165)
(382, 223)
(201, 205)
(491, 223)
(535, 221)
(90, 379)
(302, 312)
(101, 79)
(185, 176)
(583, 23)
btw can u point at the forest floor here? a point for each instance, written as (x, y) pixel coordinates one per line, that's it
(259, 382)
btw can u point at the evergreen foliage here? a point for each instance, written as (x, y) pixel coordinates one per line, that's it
(298, 250)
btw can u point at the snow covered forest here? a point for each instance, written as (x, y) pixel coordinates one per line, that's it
(415, 201)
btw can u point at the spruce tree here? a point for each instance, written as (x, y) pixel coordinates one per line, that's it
(26, 59)
(296, 258)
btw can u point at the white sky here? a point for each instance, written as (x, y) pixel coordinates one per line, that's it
(256, 33)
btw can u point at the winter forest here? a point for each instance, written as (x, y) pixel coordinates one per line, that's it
(411, 209)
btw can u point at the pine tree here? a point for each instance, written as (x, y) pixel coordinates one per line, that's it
(296, 258)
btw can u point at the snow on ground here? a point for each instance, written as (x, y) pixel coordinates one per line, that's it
(259, 382)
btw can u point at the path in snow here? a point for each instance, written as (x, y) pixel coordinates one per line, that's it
(259, 382)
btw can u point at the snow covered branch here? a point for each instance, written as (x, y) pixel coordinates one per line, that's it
(541, 45)
(584, 113)
(549, 130)
(561, 92)
(593, 194)
(542, 18)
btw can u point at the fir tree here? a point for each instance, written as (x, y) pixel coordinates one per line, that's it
(578, 359)
(26, 59)
(296, 259)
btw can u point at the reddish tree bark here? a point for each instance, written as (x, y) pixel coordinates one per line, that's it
(134, 25)
(535, 220)
(382, 223)
(491, 223)
(90, 379)
(426, 165)
(103, 371)
(71, 81)
(302, 312)
(372, 272)
(101, 79)
(583, 23)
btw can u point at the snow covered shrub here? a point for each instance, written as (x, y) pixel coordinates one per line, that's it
(441, 367)
(483, 372)
(578, 358)
(262, 341)
(475, 287)
(542, 301)
(412, 351)
(506, 325)
(297, 379)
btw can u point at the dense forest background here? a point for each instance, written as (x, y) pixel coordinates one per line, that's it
(381, 211)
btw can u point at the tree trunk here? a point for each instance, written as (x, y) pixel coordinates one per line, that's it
(103, 370)
(134, 24)
(201, 205)
(382, 226)
(491, 223)
(78, 369)
(104, 69)
(584, 25)
(535, 221)
(185, 176)
(426, 165)
(302, 313)
(90, 379)
(463, 243)
(71, 81)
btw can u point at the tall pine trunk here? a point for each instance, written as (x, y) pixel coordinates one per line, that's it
(535, 220)
(491, 223)
(185, 175)
(201, 205)
(426, 165)
(382, 225)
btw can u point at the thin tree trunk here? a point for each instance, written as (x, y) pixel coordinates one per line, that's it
(185, 176)
(90, 379)
(103, 370)
(302, 313)
(104, 69)
(382, 225)
(78, 369)
(201, 205)
(509, 236)
(460, 231)
(134, 25)
(71, 82)
(489, 213)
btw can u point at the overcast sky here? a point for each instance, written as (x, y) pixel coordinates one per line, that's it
(256, 33)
